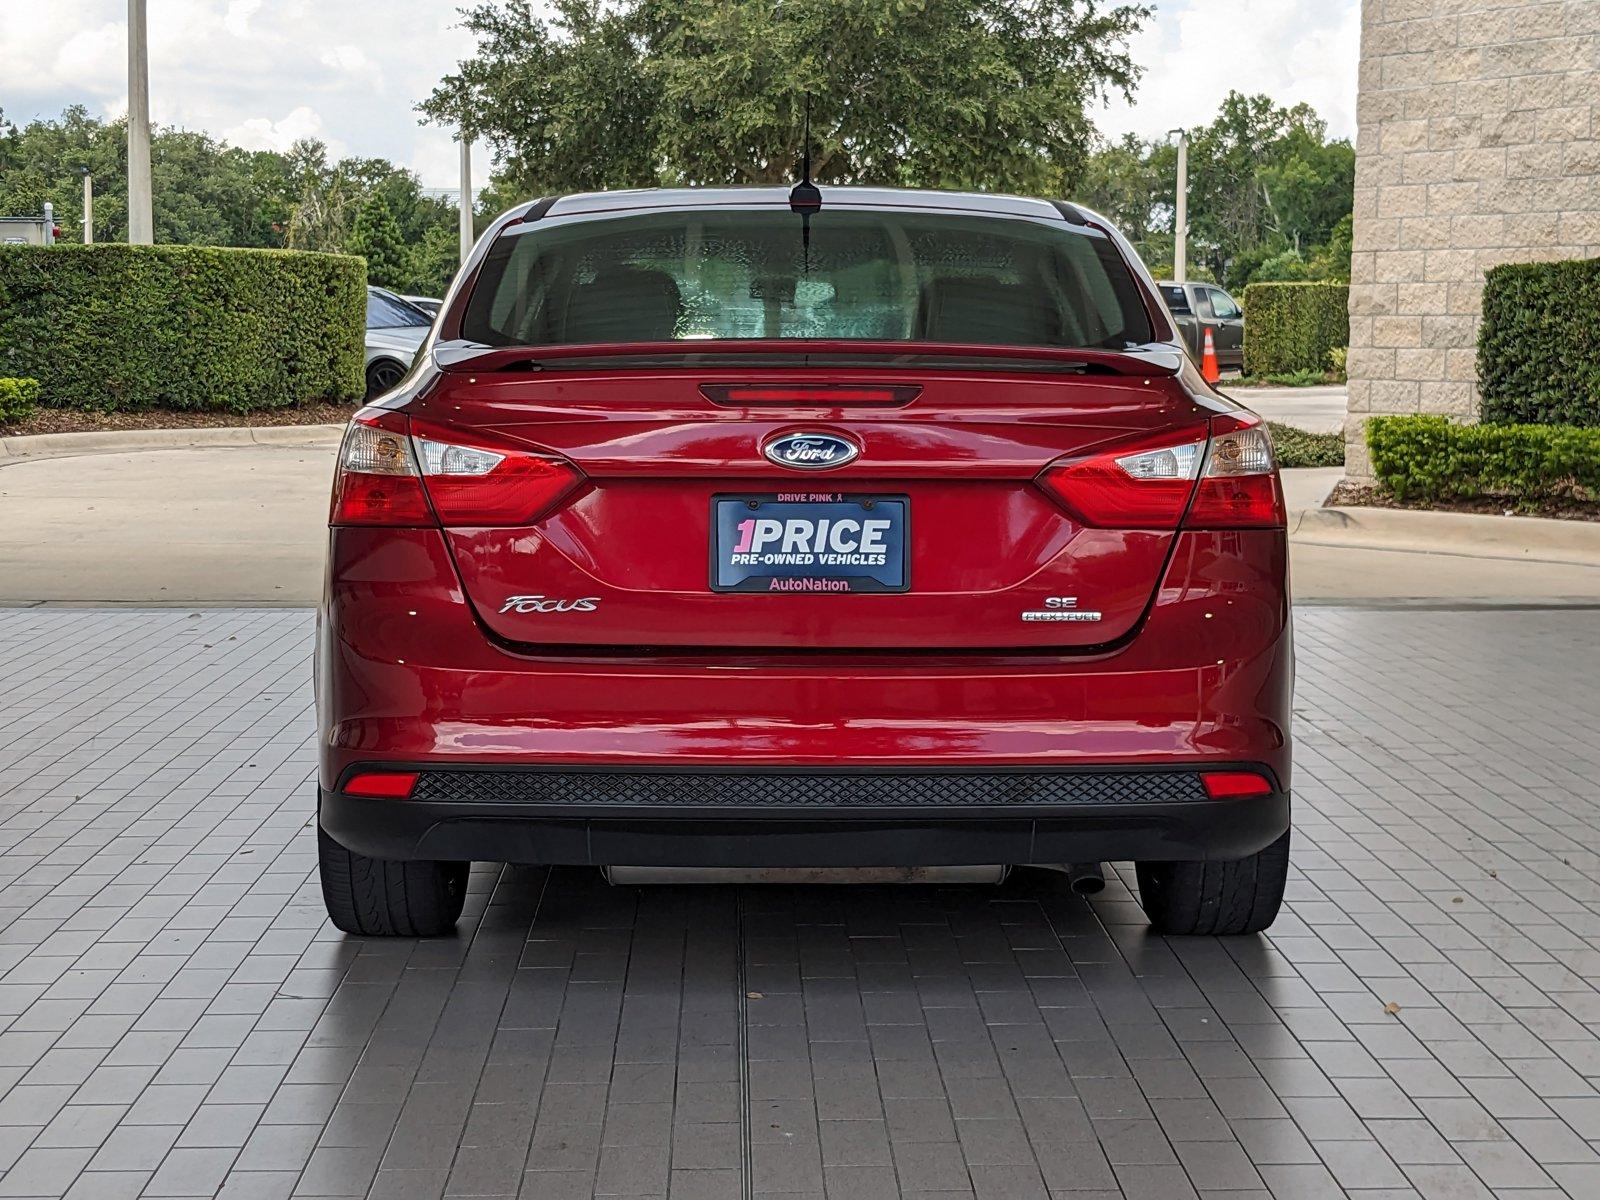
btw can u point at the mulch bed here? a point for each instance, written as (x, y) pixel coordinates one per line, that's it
(71, 420)
(1358, 496)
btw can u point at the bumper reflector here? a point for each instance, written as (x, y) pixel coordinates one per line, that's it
(381, 785)
(1232, 785)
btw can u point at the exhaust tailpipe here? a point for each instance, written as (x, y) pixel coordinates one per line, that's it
(1086, 879)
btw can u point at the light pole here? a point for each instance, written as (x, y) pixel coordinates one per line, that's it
(88, 207)
(1180, 214)
(141, 215)
(467, 234)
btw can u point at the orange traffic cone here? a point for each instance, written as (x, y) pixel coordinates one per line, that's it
(1209, 369)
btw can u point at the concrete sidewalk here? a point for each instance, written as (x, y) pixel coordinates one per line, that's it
(1473, 535)
(1314, 409)
(124, 441)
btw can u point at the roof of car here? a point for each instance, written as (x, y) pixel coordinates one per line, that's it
(731, 197)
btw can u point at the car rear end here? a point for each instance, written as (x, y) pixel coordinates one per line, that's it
(713, 533)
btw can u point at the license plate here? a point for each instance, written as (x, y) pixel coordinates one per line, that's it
(809, 542)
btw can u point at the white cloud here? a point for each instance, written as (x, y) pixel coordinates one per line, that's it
(261, 133)
(98, 57)
(258, 74)
(1195, 51)
(75, 41)
(352, 63)
(237, 19)
(436, 157)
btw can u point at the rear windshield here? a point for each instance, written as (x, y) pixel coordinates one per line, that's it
(1177, 298)
(886, 275)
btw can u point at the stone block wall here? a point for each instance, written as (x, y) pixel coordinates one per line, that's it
(1478, 143)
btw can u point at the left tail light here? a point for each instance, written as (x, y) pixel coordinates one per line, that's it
(395, 471)
(376, 481)
(1227, 479)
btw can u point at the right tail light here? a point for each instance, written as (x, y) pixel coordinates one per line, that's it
(1225, 479)
(1239, 487)
(395, 471)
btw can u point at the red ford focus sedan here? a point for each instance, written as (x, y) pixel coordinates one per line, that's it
(735, 528)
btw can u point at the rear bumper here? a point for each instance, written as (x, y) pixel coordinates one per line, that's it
(407, 675)
(407, 679)
(778, 817)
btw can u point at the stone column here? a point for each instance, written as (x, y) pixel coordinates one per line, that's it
(1476, 144)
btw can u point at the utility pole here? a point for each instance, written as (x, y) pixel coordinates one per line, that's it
(1180, 215)
(88, 208)
(467, 234)
(141, 213)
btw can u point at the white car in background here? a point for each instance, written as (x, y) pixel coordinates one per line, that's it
(395, 331)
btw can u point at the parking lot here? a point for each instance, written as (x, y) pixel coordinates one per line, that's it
(180, 1020)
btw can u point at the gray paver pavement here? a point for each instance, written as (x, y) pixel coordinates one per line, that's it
(177, 1019)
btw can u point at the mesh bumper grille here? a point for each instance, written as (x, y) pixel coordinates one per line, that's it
(810, 789)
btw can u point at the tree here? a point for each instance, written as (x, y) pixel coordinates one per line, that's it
(931, 93)
(43, 161)
(376, 237)
(433, 262)
(209, 193)
(1269, 194)
(1264, 179)
(205, 191)
(1123, 180)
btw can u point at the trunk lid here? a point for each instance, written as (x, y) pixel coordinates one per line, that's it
(628, 559)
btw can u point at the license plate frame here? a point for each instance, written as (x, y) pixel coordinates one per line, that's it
(818, 580)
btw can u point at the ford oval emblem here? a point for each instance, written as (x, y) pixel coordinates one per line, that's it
(811, 451)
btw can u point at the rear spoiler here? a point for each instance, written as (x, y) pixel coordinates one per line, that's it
(457, 357)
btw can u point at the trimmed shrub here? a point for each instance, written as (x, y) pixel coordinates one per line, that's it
(1301, 448)
(1539, 344)
(18, 399)
(1292, 378)
(1432, 458)
(111, 327)
(1292, 327)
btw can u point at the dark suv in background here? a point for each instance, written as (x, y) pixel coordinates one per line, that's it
(1197, 307)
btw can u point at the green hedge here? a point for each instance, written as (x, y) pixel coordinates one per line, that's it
(110, 327)
(1300, 448)
(1294, 326)
(1539, 344)
(1432, 458)
(18, 399)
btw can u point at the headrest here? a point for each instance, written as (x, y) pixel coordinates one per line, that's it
(624, 304)
(986, 309)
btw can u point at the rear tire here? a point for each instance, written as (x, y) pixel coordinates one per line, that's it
(377, 897)
(382, 375)
(1241, 896)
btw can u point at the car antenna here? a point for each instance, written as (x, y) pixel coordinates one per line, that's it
(805, 198)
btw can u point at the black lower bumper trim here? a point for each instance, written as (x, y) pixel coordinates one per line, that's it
(788, 790)
(1074, 827)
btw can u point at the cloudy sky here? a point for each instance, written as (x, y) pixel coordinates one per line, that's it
(261, 73)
